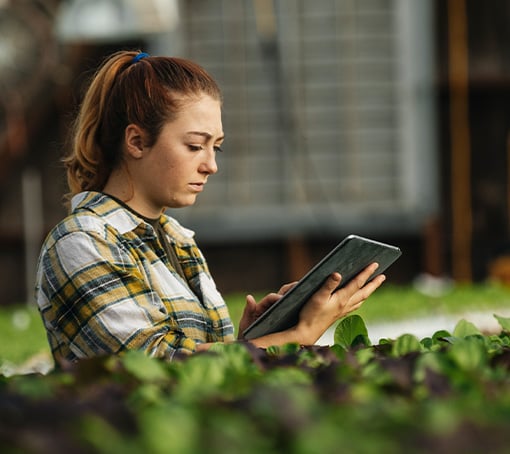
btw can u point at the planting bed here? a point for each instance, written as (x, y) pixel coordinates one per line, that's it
(446, 393)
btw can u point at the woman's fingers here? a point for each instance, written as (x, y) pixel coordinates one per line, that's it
(266, 302)
(333, 281)
(363, 293)
(362, 278)
(358, 283)
(250, 301)
(286, 287)
(353, 295)
(359, 295)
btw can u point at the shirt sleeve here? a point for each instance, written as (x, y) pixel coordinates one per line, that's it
(99, 302)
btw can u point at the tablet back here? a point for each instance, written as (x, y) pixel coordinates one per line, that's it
(349, 257)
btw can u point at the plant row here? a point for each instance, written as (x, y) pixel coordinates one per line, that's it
(446, 393)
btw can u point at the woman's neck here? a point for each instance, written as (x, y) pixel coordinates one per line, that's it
(120, 187)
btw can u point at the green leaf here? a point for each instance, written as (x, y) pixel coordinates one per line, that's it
(101, 435)
(429, 361)
(465, 328)
(469, 353)
(229, 372)
(503, 321)
(290, 348)
(143, 367)
(440, 336)
(32, 386)
(286, 377)
(404, 344)
(365, 355)
(427, 343)
(351, 331)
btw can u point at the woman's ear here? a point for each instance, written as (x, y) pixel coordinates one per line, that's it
(134, 139)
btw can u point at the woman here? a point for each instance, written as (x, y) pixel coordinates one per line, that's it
(118, 273)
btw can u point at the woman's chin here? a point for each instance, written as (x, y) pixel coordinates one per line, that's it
(182, 203)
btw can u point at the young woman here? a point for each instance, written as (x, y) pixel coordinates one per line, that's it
(118, 273)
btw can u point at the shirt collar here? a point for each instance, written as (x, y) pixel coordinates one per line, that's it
(125, 220)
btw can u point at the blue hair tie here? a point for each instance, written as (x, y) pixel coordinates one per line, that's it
(138, 57)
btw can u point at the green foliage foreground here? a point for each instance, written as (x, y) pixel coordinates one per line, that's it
(447, 393)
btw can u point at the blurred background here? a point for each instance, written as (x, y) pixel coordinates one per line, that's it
(385, 118)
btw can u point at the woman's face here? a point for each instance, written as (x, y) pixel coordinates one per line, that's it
(173, 171)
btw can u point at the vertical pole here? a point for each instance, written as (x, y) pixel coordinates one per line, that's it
(460, 141)
(32, 226)
(298, 258)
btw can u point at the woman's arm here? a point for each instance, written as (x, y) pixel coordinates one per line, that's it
(95, 300)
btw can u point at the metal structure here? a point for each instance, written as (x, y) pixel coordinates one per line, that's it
(328, 113)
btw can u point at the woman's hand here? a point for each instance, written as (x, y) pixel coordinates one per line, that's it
(254, 310)
(326, 305)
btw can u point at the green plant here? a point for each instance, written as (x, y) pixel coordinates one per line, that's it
(446, 393)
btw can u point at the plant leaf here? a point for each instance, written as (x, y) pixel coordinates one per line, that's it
(503, 321)
(406, 343)
(143, 367)
(441, 335)
(465, 328)
(351, 331)
(469, 353)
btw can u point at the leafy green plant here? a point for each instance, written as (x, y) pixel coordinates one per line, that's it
(449, 392)
(446, 393)
(351, 331)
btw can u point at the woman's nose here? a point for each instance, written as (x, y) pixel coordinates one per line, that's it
(209, 164)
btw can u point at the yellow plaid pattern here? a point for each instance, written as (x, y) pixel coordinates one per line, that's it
(105, 285)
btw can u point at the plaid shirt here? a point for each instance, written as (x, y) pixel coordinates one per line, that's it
(105, 284)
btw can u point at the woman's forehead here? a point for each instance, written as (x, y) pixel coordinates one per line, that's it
(199, 116)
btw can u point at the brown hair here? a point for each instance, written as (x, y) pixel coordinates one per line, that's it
(146, 92)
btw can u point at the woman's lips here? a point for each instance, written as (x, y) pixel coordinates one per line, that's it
(198, 187)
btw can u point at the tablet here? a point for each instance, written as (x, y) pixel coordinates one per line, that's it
(349, 258)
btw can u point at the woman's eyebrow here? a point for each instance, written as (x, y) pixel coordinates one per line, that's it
(204, 134)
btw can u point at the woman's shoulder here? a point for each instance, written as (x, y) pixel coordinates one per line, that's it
(93, 214)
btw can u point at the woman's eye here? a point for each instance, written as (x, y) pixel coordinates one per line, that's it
(193, 147)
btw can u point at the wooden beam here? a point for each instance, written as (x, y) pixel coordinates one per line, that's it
(460, 141)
